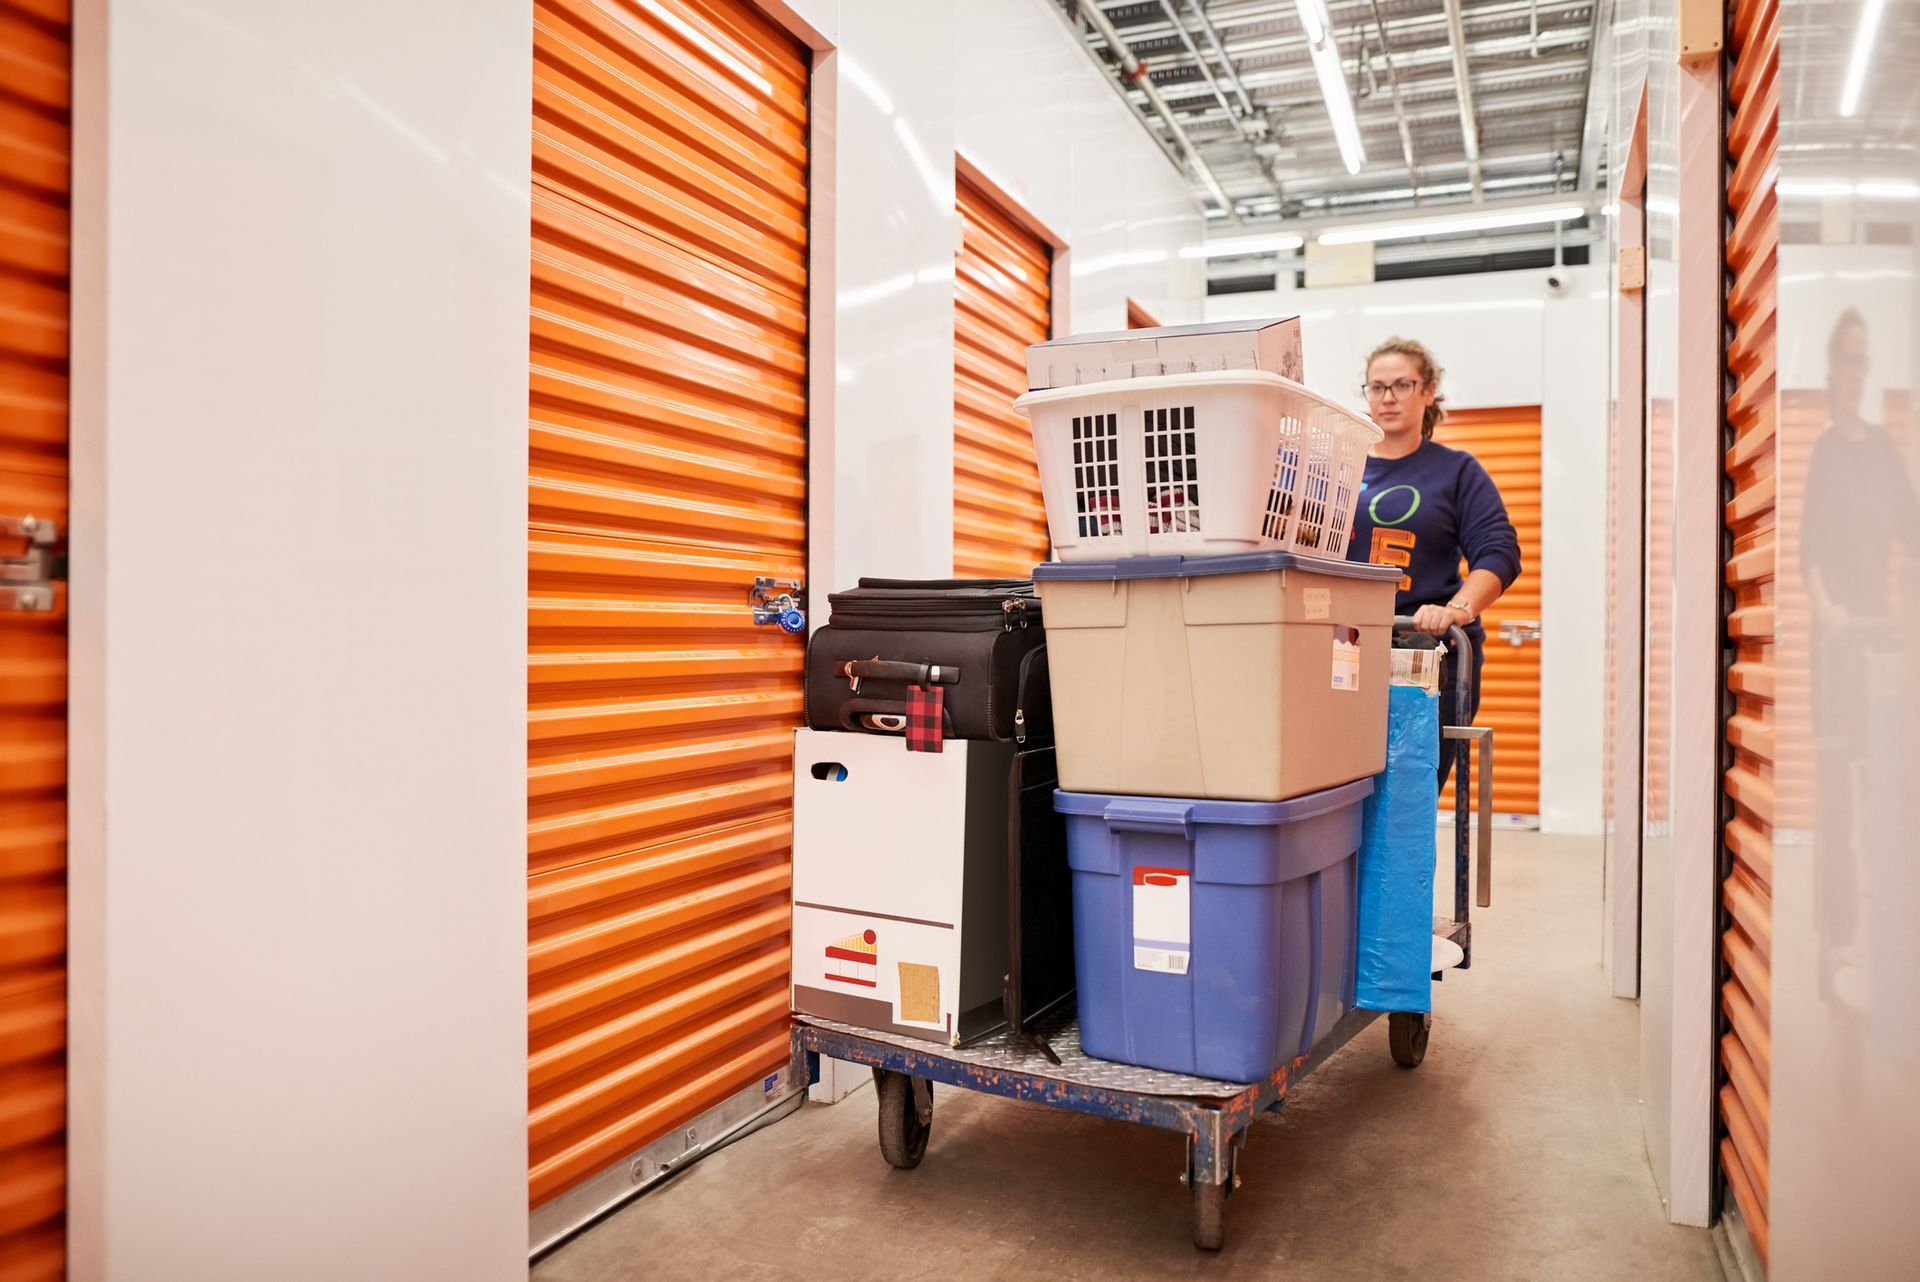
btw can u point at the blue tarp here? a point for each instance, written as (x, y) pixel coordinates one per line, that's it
(1397, 859)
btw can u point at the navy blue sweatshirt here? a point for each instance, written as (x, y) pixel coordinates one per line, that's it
(1424, 513)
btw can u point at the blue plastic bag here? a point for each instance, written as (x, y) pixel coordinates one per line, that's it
(1397, 859)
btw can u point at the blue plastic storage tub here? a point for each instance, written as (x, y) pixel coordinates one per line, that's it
(1212, 937)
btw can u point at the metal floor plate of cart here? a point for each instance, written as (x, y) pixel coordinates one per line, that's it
(1214, 1116)
(1008, 1052)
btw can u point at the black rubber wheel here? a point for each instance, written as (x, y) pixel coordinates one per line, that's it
(903, 1136)
(1209, 1216)
(1407, 1033)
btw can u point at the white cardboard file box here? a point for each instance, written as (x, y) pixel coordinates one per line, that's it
(900, 884)
(1270, 345)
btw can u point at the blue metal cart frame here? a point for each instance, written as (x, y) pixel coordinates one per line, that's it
(1216, 1126)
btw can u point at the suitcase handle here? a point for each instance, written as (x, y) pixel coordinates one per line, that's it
(854, 709)
(920, 674)
(1142, 814)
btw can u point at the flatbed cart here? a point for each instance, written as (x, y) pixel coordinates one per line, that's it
(1214, 1116)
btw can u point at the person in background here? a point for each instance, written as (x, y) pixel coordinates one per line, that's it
(1426, 508)
(1859, 535)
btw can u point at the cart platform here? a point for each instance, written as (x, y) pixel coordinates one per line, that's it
(1214, 1116)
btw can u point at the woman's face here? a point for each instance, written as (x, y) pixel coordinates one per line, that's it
(1397, 396)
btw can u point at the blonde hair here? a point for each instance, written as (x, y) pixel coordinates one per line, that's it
(1430, 372)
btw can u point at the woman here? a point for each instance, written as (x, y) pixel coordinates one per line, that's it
(1426, 508)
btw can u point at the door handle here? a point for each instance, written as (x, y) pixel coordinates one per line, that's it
(778, 602)
(1518, 632)
(26, 580)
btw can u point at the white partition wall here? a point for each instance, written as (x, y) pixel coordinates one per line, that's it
(299, 658)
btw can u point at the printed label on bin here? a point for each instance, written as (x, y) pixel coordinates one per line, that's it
(1162, 919)
(1318, 603)
(1346, 658)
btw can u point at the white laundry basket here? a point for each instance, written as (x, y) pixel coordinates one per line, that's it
(1196, 464)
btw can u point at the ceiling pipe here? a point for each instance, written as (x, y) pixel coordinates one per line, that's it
(1463, 86)
(1132, 69)
(1399, 104)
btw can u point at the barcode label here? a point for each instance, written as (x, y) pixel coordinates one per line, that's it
(1165, 960)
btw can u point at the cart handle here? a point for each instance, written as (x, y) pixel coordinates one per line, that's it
(1458, 643)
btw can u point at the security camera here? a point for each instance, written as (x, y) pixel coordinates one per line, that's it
(1556, 284)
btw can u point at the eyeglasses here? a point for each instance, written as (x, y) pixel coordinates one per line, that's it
(1399, 389)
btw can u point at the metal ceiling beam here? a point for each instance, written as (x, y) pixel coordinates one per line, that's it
(1250, 129)
(1469, 123)
(1300, 73)
(1220, 52)
(1312, 227)
(1399, 104)
(1206, 72)
(1132, 69)
(1593, 135)
(1516, 13)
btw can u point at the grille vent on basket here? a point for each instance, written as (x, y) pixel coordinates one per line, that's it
(1286, 475)
(1315, 489)
(1173, 477)
(1096, 475)
(1349, 463)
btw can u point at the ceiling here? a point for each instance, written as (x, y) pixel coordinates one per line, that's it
(1238, 77)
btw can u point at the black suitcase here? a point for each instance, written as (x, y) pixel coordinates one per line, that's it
(1040, 972)
(981, 640)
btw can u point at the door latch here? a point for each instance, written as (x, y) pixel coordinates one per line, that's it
(778, 603)
(26, 580)
(1517, 632)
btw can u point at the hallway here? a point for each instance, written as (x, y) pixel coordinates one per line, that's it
(1514, 1152)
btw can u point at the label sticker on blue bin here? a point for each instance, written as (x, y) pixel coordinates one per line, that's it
(1162, 919)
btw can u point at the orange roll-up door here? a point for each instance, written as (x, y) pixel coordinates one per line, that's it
(35, 65)
(668, 470)
(1507, 443)
(1003, 304)
(1752, 523)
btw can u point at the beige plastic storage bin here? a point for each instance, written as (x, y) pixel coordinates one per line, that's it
(1238, 678)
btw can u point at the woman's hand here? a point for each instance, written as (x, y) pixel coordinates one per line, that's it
(1434, 620)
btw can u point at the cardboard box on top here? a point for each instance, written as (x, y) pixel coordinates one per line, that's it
(1271, 345)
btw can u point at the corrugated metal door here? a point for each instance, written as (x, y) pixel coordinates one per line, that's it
(668, 469)
(1002, 304)
(1752, 561)
(1507, 443)
(35, 62)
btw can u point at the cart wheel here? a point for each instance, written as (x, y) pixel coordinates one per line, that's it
(1209, 1216)
(903, 1132)
(1407, 1036)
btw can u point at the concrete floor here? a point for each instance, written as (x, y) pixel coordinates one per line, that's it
(1514, 1152)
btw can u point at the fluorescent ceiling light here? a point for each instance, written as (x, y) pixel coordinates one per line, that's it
(1333, 82)
(1841, 188)
(1313, 19)
(1446, 226)
(1269, 244)
(1861, 56)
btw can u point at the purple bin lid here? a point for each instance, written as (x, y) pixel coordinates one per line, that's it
(1185, 567)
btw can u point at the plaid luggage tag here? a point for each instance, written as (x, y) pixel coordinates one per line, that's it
(926, 707)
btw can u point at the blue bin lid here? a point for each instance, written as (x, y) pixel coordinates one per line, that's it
(1201, 810)
(1185, 567)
